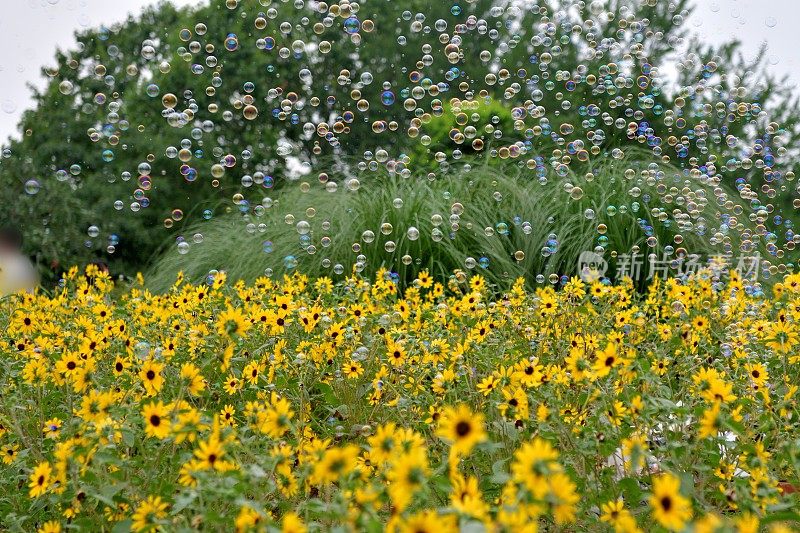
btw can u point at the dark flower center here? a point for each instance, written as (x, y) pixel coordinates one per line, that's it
(463, 428)
(666, 503)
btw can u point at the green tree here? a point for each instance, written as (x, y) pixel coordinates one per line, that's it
(101, 115)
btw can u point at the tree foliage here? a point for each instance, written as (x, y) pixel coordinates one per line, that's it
(99, 142)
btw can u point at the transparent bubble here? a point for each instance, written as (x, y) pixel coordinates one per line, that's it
(250, 112)
(66, 87)
(352, 25)
(32, 187)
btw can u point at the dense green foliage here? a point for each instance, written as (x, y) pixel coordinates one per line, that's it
(550, 229)
(56, 133)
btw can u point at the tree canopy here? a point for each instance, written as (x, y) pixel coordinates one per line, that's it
(107, 158)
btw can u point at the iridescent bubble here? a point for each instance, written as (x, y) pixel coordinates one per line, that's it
(148, 50)
(32, 187)
(352, 25)
(387, 98)
(250, 112)
(66, 87)
(141, 349)
(231, 42)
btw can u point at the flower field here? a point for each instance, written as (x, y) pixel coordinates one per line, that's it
(297, 404)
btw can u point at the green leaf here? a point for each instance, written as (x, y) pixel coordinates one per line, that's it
(785, 516)
(183, 501)
(122, 527)
(631, 490)
(327, 393)
(499, 473)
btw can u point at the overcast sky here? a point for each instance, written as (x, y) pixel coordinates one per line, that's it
(31, 30)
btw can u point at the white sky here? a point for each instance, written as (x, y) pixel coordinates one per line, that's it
(31, 30)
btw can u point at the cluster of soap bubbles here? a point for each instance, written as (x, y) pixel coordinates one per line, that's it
(455, 88)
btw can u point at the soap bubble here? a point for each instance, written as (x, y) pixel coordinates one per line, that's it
(32, 187)
(66, 87)
(352, 25)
